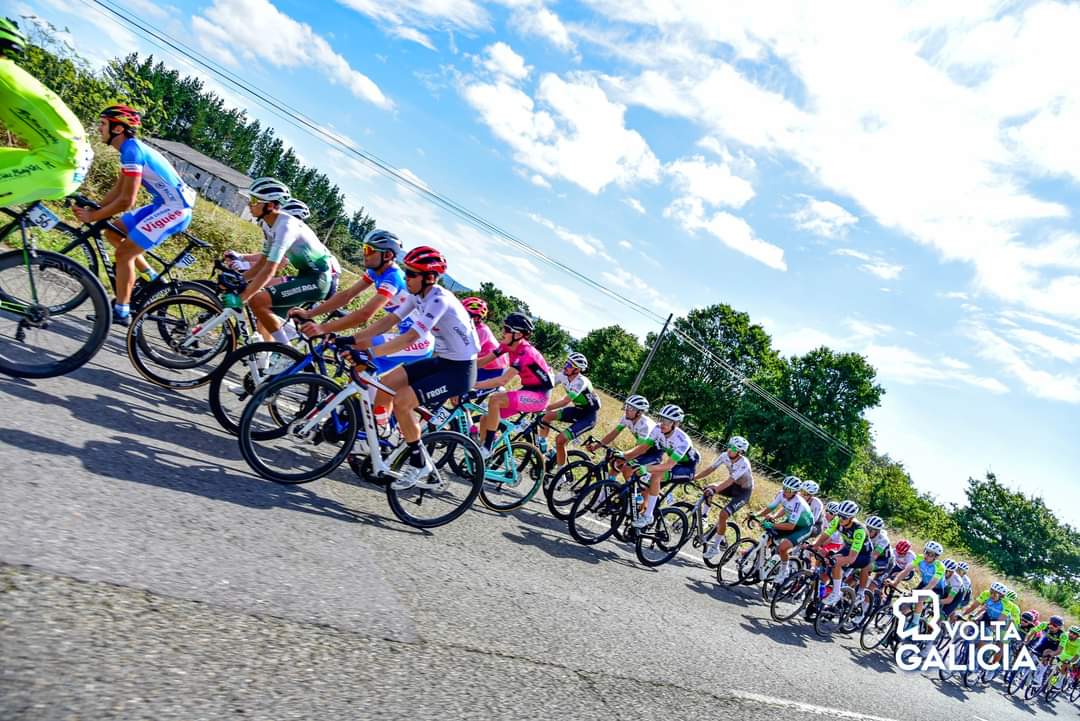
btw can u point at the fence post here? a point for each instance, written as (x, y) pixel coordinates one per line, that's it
(648, 358)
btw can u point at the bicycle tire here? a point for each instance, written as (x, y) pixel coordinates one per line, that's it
(528, 467)
(318, 389)
(82, 252)
(797, 591)
(604, 499)
(767, 583)
(188, 368)
(1018, 683)
(48, 265)
(669, 532)
(451, 442)
(834, 614)
(881, 622)
(732, 554)
(236, 363)
(1053, 690)
(565, 487)
(1074, 692)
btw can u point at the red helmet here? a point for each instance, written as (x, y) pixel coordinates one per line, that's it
(122, 114)
(476, 306)
(902, 547)
(426, 260)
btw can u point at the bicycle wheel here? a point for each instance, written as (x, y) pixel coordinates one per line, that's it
(597, 512)
(831, 618)
(520, 472)
(768, 584)
(1053, 688)
(658, 544)
(82, 253)
(1018, 683)
(1074, 692)
(878, 627)
(566, 485)
(747, 566)
(793, 596)
(727, 568)
(163, 348)
(447, 493)
(239, 376)
(270, 435)
(35, 342)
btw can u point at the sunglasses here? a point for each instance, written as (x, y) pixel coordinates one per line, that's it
(410, 273)
(253, 201)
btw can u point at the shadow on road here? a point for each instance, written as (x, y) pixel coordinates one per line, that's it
(560, 547)
(788, 634)
(874, 660)
(736, 595)
(952, 688)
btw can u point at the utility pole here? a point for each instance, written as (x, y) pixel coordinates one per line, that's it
(648, 358)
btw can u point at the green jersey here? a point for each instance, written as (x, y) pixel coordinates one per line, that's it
(854, 536)
(36, 114)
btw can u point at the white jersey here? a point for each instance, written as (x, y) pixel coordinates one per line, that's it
(290, 238)
(966, 581)
(955, 582)
(794, 507)
(441, 314)
(642, 428)
(677, 445)
(817, 508)
(879, 543)
(738, 470)
(903, 561)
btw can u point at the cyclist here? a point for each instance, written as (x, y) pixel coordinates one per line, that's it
(527, 363)
(903, 562)
(965, 595)
(450, 372)
(836, 541)
(1069, 655)
(1012, 610)
(790, 516)
(145, 228)
(991, 603)
(581, 416)
(738, 488)
(809, 491)
(1046, 640)
(641, 426)
(58, 155)
(478, 311)
(1028, 620)
(300, 210)
(950, 589)
(930, 571)
(880, 558)
(856, 552)
(681, 459)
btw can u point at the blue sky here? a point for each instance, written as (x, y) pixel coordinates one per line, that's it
(899, 181)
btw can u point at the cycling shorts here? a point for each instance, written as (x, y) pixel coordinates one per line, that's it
(683, 471)
(951, 606)
(795, 535)
(581, 420)
(151, 225)
(298, 290)
(861, 561)
(523, 401)
(649, 457)
(739, 497)
(409, 354)
(1044, 644)
(435, 379)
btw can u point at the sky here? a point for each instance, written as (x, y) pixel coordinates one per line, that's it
(894, 179)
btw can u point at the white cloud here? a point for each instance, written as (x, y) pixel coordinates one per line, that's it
(904, 365)
(404, 18)
(626, 244)
(824, 218)
(954, 363)
(635, 204)
(732, 231)
(955, 295)
(542, 22)
(259, 31)
(410, 175)
(711, 182)
(1042, 383)
(539, 181)
(587, 244)
(412, 34)
(501, 60)
(873, 265)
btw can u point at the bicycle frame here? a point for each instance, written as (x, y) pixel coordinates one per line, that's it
(460, 417)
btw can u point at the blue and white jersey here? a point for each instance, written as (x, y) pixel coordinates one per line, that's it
(390, 284)
(157, 175)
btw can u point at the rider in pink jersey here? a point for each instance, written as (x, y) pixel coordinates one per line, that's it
(477, 309)
(527, 363)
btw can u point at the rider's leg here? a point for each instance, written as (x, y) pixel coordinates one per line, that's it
(489, 424)
(126, 255)
(560, 448)
(269, 322)
(542, 431)
(115, 239)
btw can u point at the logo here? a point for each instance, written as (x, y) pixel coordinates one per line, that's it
(161, 222)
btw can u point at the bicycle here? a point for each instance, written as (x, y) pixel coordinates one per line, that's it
(41, 291)
(806, 590)
(316, 423)
(701, 534)
(568, 483)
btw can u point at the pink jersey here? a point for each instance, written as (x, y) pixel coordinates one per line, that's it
(530, 365)
(487, 345)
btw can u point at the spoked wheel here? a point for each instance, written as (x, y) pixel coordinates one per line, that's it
(168, 346)
(1074, 692)
(748, 573)
(597, 512)
(727, 568)
(273, 436)
(552, 468)
(520, 473)
(793, 596)
(1032, 689)
(1019, 682)
(878, 628)
(566, 485)
(449, 491)
(240, 375)
(657, 544)
(768, 586)
(831, 619)
(37, 341)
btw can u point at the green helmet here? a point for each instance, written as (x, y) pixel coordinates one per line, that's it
(12, 41)
(1010, 594)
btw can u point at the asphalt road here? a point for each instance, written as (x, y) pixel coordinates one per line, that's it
(145, 574)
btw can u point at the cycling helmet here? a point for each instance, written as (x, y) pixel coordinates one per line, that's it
(1074, 630)
(811, 487)
(848, 509)
(385, 241)
(962, 566)
(579, 361)
(638, 403)
(671, 412)
(832, 507)
(1031, 616)
(875, 523)
(476, 306)
(902, 547)
(998, 587)
(1011, 595)
(123, 115)
(296, 208)
(426, 260)
(1056, 620)
(268, 190)
(949, 564)
(933, 547)
(739, 443)
(519, 323)
(792, 483)
(12, 41)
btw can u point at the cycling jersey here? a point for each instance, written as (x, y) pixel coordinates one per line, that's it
(580, 390)
(930, 574)
(796, 508)
(738, 470)
(441, 314)
(488, 344)
(642, 428)
(817, 509)
(1070, 648)
(951, 583)
(994, 609)
(291, 238)
(677, 445)
(156, 174)
(530, 365)
(854, 536)
(879, 543)
(1012, 611)
(901, 562)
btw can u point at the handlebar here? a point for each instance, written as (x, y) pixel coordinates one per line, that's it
(81, 201)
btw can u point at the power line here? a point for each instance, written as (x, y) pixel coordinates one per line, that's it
(301, 121)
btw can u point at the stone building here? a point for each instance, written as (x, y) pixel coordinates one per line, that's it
(215, 181)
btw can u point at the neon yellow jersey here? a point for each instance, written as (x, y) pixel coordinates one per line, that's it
(35, 113)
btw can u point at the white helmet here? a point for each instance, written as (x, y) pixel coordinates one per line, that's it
(578, 360)
(268, 189)
(875, 523)
(949, 564)
(793, 483)
(848, 509)
(296, 208)
(638, 403)
(999, 587)
(739, 443)
(962, 566)
(811, 487)
(671, 412)
(832, 507)
(933, 547)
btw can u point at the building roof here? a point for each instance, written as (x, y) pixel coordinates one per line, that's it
(203, 162)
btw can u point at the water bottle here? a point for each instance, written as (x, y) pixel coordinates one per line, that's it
(638, 500)
(771, 564)
(669, 499)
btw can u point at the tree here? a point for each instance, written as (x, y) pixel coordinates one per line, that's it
(614, 357)
(551, 339)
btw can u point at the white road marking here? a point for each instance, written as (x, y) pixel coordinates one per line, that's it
(806, 707)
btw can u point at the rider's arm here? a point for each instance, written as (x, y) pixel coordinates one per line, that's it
(708, 470)
(120, 199)
(265, 272)
(637, 450)
(828, 532)
(357, 318)
(342, 299)
(611, 435)
(396, 344)
(562, 402)
(505, 377)
(382, 325)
